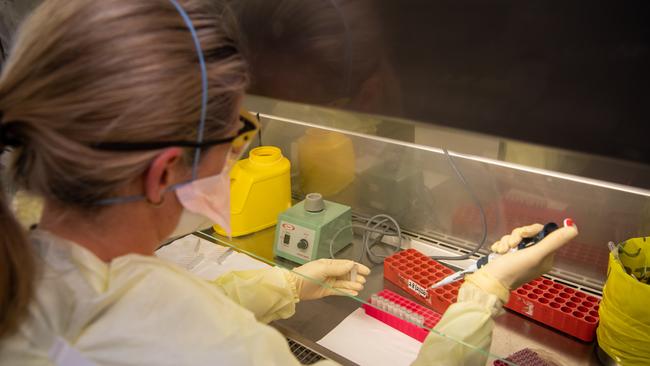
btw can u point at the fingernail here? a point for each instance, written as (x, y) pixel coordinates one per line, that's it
(569, 223)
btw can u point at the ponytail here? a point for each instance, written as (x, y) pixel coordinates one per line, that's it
(17, 271)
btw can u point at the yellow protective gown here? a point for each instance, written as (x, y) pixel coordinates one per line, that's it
(467, 327)
(140, 310)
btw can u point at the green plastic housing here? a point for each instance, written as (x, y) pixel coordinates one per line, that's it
(302, 236)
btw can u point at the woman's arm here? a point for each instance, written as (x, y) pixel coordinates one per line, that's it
(270, 293)
(464, 334)
(273, 293)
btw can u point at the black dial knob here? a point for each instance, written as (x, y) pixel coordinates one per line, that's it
(303, 244)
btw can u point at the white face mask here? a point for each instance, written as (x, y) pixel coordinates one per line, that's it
(205, 202)
(209, 198)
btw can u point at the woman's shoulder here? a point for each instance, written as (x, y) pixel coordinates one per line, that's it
(162, 280)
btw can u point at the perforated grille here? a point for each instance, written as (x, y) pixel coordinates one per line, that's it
(305, 355)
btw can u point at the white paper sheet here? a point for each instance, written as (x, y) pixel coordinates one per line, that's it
(234, 262)
(206, 259)
(188, 251)
(368, 341)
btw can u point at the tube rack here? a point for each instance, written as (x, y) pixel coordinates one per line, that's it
(554, 304)
(404, 315)
(558, 306)
(525, 357)
(415, 273)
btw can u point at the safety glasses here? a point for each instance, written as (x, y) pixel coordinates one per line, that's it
(239, 142)
(238, 145)
(245, 134)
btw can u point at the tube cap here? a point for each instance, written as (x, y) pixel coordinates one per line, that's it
(314, 202)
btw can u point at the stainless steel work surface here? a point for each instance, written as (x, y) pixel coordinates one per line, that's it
(512, 332)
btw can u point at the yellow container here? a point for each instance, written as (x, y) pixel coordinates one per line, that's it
(260, 189)
(326, 160)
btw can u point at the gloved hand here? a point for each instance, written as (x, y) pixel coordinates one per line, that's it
(513, 239)
(318, 278)
(514, 269)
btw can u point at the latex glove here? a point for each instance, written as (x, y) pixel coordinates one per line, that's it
(514, 269)
(511, 240)
(318, 278)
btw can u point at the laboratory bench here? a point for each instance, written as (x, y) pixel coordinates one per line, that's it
(316, 318)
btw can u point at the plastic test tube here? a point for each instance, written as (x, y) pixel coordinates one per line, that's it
(383, 304)
(421, 320)
(353, 273)
(386, 305)
(374, 300)
(402, 313)
(392, 308)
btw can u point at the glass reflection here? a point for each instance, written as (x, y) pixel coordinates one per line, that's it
(416, 186)
(327, 52)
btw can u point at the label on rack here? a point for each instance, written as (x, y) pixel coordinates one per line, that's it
(417, 288)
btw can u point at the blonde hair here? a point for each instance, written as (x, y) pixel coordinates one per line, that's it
(89, 71)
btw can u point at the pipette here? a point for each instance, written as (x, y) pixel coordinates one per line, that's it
(525, 243)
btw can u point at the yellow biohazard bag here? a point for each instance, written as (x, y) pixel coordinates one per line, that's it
(624, 328)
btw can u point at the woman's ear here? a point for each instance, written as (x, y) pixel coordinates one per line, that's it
(161, 174)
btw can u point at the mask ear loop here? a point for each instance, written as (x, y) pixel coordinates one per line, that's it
(204, 86)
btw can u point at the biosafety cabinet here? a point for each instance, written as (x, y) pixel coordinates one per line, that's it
(461, 121)
(380, 165)
(412, 180)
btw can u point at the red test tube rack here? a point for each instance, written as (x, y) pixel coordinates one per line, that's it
(559, 306)
(402, 314)
(414, 272)
(554, 304)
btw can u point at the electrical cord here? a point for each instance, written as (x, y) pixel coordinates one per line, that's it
(375, 225)
(480, 207)
(378, 224)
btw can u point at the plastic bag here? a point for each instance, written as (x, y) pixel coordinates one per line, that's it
(634, 255)
(624, 329)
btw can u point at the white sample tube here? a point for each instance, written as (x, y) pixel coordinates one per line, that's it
(412, 319)
(353, 273)
(374, 300)
(383, 304)
(386, 305)
(393, 308)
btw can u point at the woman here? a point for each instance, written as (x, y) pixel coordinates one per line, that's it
(123, 116)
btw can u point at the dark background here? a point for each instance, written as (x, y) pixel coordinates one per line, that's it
(574, 74)
(570, 74)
